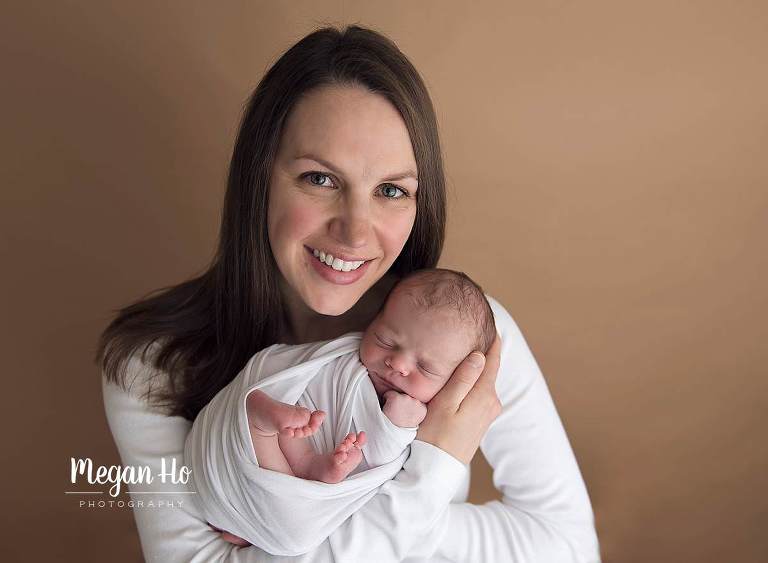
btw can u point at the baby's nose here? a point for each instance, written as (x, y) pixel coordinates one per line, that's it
(397, 365)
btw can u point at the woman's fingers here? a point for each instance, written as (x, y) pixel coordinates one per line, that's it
(458, 416)
(485, 387)
(461, 382)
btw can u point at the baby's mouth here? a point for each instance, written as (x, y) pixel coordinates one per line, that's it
(384, 383)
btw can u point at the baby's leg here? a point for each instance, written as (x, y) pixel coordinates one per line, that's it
(328, 468)
(267, 418)
(269, 455)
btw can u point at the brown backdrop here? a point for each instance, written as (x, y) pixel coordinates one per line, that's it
(608, 185)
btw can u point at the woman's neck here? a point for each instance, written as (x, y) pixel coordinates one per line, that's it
(301, 324)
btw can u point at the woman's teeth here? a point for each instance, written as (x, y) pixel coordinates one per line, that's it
(336, 263)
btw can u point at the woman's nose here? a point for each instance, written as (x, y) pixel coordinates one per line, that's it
(351, 225)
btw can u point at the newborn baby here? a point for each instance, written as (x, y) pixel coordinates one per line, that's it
(324, 465)
(430, 322)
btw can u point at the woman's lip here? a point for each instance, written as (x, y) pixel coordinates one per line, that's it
(340, 255)
(334, 276)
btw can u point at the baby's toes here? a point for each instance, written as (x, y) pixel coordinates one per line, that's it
(349, 458)
(300, 417)
(349, 439)
(295, 432)
(343, 447)
(315, 420)
(340, 456)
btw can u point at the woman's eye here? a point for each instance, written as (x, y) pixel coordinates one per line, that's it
(390, 191)
(318, 179)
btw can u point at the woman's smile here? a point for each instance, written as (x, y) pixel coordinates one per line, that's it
(333, 274)
(342, 201)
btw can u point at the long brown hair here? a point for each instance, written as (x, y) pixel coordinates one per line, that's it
(205, 329)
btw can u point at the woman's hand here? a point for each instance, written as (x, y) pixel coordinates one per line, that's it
(458, 416)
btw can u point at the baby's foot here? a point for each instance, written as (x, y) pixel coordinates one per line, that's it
(343, 460)
(268, 417)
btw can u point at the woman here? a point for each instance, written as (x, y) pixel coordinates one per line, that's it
(338, 152)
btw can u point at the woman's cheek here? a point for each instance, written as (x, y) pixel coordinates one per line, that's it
(406, 226)
(300, 221)
(395, 228)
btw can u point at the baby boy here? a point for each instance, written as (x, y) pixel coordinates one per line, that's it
(431, 320)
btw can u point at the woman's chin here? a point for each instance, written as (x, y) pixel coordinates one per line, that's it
(333, 306)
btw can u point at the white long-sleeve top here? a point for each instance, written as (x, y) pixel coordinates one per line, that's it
(544, 514)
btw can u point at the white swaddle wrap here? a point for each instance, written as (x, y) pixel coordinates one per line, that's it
(283, 514)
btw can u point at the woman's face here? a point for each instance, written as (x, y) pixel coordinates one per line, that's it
(343, 189)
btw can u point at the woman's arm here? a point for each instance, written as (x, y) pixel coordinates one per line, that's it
(545, 514)
(146, 437)
(400, 516)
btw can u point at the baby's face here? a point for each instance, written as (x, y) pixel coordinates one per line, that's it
(411, 350)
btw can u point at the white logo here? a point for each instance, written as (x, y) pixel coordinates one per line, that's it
(116, 475)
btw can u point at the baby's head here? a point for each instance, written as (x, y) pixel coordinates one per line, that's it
(431, 320)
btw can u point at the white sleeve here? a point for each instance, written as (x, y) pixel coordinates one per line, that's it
(387, 528)
(545, 514)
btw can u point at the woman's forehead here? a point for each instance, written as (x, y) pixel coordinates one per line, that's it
(349, 128)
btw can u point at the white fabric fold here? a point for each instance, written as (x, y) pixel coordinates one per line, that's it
(283, 514)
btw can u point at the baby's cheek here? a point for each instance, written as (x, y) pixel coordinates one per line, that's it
(366, 353)
(429, 390)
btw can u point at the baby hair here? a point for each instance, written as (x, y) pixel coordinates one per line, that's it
(441, 287)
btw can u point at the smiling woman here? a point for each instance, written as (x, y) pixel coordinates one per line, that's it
(332, 125)
(335, 192)
(347, 212)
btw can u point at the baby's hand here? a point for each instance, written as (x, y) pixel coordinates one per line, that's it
(403, 410)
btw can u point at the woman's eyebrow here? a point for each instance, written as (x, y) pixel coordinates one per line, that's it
(393, 178)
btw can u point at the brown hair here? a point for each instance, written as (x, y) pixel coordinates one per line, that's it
(205, 329)
(440, 287)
